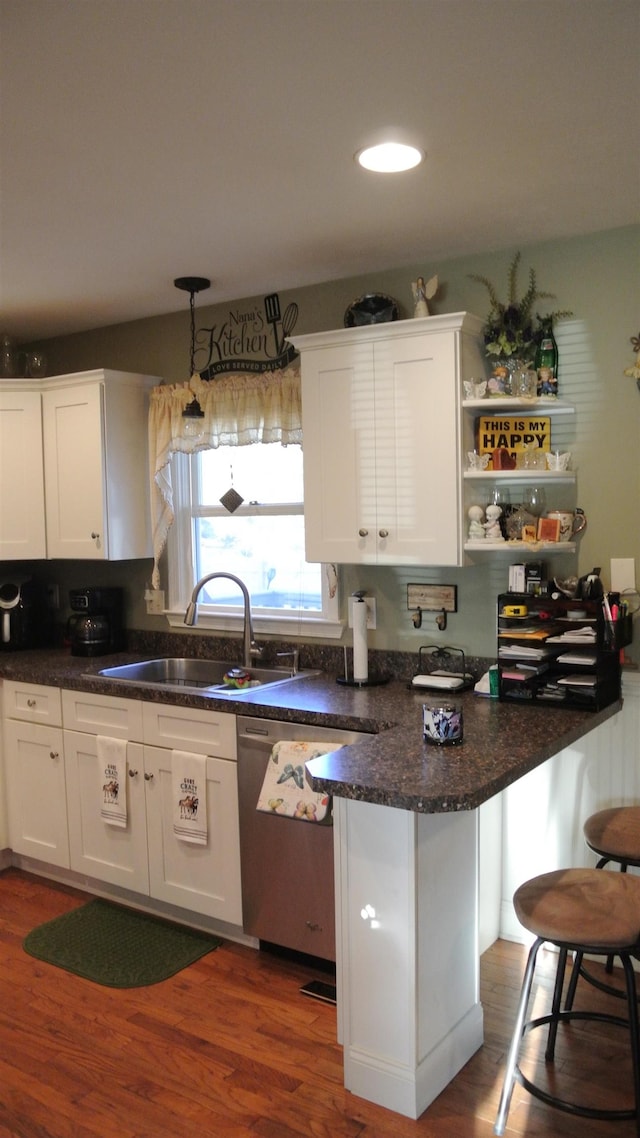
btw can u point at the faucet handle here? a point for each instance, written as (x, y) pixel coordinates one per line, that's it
(295, 654)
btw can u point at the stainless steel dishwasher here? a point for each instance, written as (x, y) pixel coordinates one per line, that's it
(287, 865)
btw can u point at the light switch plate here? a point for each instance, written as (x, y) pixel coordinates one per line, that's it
(371, 610)
(433, 598)
(623, 575)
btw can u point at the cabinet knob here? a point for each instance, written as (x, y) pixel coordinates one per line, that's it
(383, 533)
(363, 533)
(132, 773)
(148, 776)
(54, 755)
(95, 536)
(31, 703)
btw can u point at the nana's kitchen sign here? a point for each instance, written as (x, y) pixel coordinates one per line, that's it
(512, 434)
(252, 340)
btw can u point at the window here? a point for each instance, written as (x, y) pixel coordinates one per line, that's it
(261, 542)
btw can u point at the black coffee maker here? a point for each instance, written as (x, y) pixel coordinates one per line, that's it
(96, 626)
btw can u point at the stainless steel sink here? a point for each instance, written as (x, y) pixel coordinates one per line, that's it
(188, 674)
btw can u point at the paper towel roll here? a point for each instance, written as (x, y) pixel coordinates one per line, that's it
(360, 665)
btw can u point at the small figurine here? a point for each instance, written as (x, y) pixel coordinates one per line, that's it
(492, 529)
(422, 293)
(476, 523)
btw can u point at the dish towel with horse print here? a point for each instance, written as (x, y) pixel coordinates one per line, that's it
(189, 790)
(285, 789)
(112, 772)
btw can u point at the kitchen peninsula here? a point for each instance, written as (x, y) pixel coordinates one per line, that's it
(406, 846)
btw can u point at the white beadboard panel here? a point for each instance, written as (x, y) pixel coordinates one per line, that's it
(544, 812)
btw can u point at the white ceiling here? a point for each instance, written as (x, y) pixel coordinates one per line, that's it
(147, 139)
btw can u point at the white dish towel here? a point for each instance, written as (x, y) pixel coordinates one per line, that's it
(285, 789)
(112, 771)
(189, 790)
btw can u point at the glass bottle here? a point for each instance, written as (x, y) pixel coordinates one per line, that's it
(8, 358)
(546, 361)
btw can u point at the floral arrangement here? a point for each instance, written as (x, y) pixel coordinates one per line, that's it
(634, 372)
(512, 329)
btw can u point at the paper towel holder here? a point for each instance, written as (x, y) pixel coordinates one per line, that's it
(371, 681)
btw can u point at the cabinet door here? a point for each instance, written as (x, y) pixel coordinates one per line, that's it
(381, 450)
(74, 472)
(22, 528)
(415, 463)
(36, 800)
(339, 454)
(98, 848)
(202, 878)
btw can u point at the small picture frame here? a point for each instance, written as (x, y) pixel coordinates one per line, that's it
(549, 529)
(529, 533)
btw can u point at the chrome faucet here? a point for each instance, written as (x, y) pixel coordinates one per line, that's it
(191, 616)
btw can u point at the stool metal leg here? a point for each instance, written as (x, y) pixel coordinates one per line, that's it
(516, 1039)
(555, 1006)
(634, 1031)
(573, 982)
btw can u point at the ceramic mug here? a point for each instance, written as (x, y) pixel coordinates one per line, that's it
(571, 523)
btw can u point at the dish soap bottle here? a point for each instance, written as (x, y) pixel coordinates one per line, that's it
(546, 361)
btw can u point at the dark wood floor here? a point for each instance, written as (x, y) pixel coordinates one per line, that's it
(229, 1047)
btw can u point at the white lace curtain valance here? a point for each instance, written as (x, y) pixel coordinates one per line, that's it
(239, 409)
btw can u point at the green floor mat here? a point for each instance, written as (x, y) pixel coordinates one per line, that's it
(117, 947)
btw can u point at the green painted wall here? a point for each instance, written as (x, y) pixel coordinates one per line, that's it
(595, 276)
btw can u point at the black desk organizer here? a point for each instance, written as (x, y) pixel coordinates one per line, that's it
(535, 666)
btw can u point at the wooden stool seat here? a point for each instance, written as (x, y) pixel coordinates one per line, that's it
(615, 834)
(581, 907)
(586, 911)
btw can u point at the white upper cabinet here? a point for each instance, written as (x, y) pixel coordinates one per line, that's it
(381, 439)
(22, 529)
(74, 467)
(96, 470)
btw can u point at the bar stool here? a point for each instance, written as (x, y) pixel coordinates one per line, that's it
(614, 835)
(581, 910)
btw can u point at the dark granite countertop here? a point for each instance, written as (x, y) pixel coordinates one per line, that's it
(395, 767)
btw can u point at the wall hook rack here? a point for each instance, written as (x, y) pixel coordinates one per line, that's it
(441, 619)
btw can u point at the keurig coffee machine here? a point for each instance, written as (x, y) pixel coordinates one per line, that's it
(23, 616)
(96, 627)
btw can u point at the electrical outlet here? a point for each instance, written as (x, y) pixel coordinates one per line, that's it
(53, 596)
(371, 610)
(155, 601)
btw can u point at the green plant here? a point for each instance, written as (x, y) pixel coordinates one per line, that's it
(512, 329)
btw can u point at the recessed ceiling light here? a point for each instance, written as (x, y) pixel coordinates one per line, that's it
(390, 157)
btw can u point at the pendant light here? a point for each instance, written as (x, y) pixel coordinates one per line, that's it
(193, 413)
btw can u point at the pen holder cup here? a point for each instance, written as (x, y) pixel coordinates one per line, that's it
(618, 633)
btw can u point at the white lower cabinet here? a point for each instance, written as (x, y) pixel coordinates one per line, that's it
(35, 774)
(204, 878)
(109, 853)
(36, 799)
(54, 795)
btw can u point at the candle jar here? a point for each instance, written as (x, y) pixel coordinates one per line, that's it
(442, 725)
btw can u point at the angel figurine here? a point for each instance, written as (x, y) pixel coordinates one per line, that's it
(422, 293)
(476, 523)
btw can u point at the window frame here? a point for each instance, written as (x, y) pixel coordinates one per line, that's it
(181, 575)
